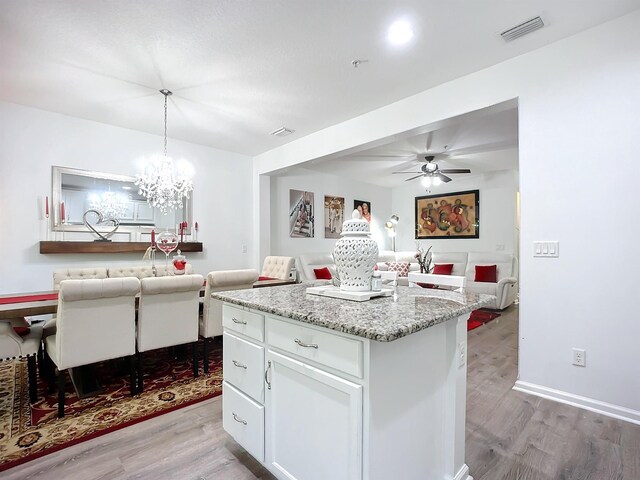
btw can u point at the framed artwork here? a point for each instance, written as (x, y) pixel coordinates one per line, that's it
(333, 216)
(364, 207)
(301, 214)
(450, 215)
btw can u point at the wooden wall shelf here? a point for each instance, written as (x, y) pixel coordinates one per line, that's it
(109, 247)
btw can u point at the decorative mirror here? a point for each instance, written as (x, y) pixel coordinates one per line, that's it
(116, 196)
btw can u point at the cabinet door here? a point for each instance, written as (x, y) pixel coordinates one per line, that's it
(144, 212)
(313, 422)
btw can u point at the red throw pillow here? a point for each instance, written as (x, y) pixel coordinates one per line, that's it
(322, 273)
(266, 278)
(401, 267)
(486, 273)
(443, 269)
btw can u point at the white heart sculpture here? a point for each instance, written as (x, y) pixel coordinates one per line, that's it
(101, 221)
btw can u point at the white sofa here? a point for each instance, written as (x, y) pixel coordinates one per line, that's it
(464, 264)
(307, 262)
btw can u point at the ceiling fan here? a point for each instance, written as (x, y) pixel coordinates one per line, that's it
(432, 175)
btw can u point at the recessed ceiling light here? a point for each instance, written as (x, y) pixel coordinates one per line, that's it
(282, 132)
(400, 32)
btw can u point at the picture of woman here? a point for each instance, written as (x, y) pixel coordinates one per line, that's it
(364, 208)
(333, 216)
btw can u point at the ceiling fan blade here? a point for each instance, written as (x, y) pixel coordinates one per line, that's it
(393, 173)
(455, 170)
(444, 178)
(385, 156)
(417, 176)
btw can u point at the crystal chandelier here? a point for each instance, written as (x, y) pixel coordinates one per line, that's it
(110, 204)
(162, 183)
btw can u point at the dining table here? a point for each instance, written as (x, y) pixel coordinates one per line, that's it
(14, 307)
(30, 304)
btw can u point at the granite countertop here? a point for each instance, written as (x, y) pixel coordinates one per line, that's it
(382, 319)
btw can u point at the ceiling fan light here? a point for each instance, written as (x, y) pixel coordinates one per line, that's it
(394, 219)
(436, 181)
(431, 167)
(426, 181)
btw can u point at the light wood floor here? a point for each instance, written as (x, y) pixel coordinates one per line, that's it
(510, 435)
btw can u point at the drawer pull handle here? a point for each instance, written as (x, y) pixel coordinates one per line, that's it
(239, 365)
(241, 322)
(238, 419)
(306, 345)
(266, 375)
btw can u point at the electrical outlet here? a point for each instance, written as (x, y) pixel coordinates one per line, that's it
(500, 247)
(244, 249)
(579, 357)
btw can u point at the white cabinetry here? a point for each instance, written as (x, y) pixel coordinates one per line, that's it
(313, 422)
(315, 404)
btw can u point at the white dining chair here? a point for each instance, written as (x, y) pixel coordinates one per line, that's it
(95, 322)
(211, 320)
(168, 315)
(61, 274)
(14, 346)
(452, 281)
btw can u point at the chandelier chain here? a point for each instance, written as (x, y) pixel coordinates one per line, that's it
(165, 123)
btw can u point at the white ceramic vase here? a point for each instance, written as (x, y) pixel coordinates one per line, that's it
(355, 255)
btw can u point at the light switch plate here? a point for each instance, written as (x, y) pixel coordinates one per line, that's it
(546, 249)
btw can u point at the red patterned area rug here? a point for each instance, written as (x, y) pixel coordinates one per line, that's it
(28, 432)
(479, 318)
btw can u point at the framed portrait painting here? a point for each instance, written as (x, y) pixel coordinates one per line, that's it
(450, 215)
(364, 208)
(333, 216)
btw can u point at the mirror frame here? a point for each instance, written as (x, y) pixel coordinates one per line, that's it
(56, 195)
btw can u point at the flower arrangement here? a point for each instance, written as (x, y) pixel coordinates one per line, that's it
(424, 258)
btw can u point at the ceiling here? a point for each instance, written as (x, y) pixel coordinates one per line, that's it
(240, 69)
(483, 141)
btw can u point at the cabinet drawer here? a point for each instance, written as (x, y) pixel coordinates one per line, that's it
(244, 322)
(243, 363)
(243, 419)
(334, 351)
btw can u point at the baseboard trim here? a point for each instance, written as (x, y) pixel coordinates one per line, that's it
(608, 409)
(463, 474)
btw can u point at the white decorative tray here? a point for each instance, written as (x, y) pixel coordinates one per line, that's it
(335, 292)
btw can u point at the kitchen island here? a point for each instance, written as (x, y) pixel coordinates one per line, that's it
(319, 388)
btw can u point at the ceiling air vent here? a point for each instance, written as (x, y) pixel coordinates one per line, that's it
(282, 132)
(522, 29)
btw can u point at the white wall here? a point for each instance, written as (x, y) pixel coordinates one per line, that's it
(578, 131)
(497, 213)
(32, 140)
(322, 184)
